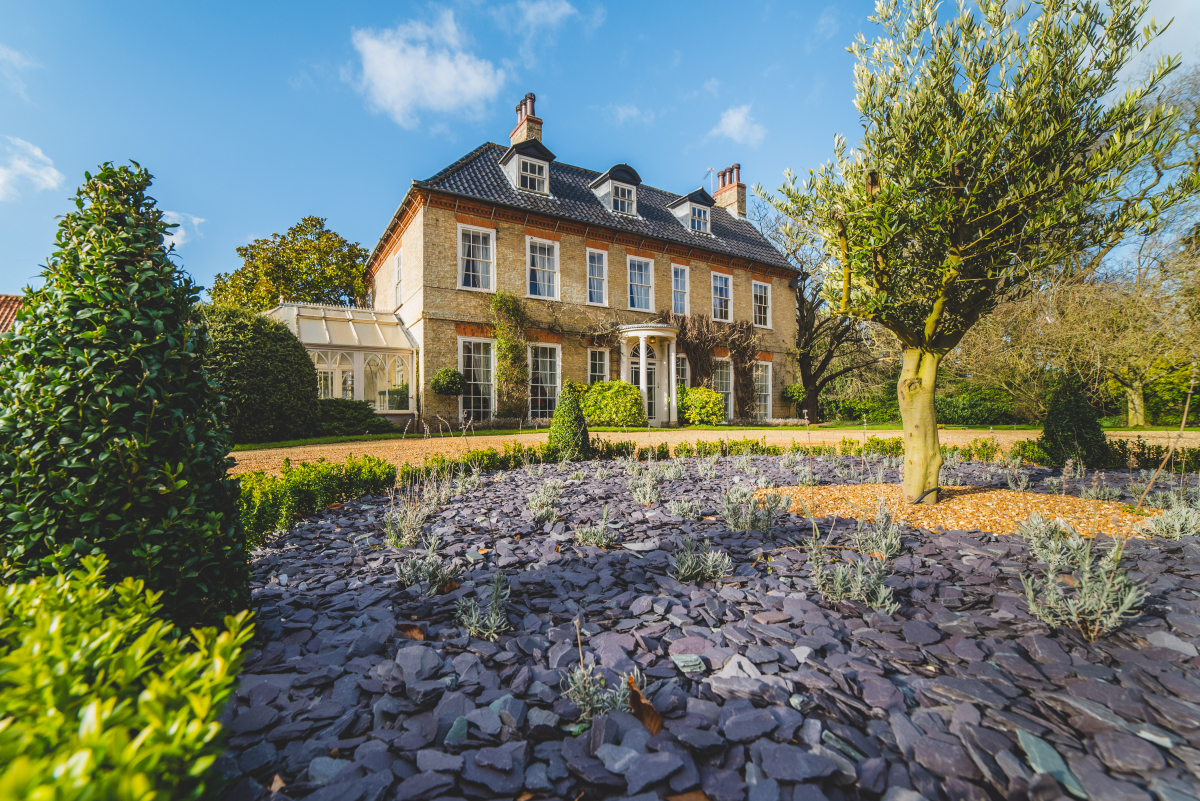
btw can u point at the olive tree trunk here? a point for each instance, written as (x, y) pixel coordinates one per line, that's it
(922, 453)
(1136, 397)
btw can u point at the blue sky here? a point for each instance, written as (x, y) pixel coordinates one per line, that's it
(253, 115)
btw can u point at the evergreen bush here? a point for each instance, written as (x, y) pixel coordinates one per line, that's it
(1072, 428)
(338, 417)
(614, 403)
(568, 429)
(100, 699)
(111, 438)
(448, 382)
(970, 410)
(701, 406)
(266, 376)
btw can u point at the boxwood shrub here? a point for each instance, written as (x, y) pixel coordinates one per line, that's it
(339, 417)
(568, 429)
(448, 382)
(265, 375)
(614, 403)
(701, 406)
(1072, 428)
(101, 699)
(112, 439)
(272, 503)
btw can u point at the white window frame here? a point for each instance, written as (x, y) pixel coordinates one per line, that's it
(692, 209)
(459, 345)
(588, 256)
(545, 177)
(713, 291)
(613, 199)
(629, 283)
(607, 364)
(770, 386)
(558, 367)
(398, 275)
(458, 268)
(529, 240)
(753, 285)
(687, 370)
(687, 288)
(729, 404)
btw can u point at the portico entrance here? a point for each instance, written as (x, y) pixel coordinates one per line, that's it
(648, 356)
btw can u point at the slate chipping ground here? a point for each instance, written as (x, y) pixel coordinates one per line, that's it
(958, 695)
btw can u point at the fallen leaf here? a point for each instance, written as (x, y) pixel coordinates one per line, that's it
(1066, 578)
(525, 796)
(518, 538)
(277, 783)
(483, 550)
(691, 795)
(450, 587)
(411, 632)
(643, 710)
(335, 506)
(414, 617)
(558, 549)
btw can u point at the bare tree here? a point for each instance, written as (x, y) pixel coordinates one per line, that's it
(827, 346)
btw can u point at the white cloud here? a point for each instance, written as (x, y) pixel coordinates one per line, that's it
(12, 64)
(630, 113)
(26, 163)
(417, 67)
(738, 124)
(711, 86)
(534, 21)
(827, 23)
(185, 221)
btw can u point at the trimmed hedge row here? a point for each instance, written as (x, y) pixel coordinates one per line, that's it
(273, 503)
(613, 403)
(338, 417)
(101, 698)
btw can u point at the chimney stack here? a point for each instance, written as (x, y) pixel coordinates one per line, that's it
(529, 126)
(731, 193)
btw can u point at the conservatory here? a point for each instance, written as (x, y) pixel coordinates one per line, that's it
(360, 354)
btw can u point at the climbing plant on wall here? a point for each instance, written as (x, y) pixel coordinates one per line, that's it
(697, 337)
(743, 342)
(511, 322)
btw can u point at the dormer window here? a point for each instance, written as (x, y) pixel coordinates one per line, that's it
(694, 211)
(533, 176)
(624, 199)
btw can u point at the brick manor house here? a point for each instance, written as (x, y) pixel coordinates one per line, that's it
(586, 250)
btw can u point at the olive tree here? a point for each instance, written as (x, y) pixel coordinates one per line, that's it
(995, 149)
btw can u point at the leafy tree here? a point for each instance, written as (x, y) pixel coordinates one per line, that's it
(111, 435)
(308, 264)
(990, 158)
(266, 376)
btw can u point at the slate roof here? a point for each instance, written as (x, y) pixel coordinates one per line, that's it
(479, 175)
(8, 311)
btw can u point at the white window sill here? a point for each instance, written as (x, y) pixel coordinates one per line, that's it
(764, 327)
(477, 289)
(542, 297)
(600, 305)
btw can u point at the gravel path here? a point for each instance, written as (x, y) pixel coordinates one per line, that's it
(401, 451)
(767, 692)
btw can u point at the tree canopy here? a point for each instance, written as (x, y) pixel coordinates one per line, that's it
(991, 156)
(308, 264)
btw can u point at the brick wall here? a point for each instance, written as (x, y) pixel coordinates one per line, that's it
(433, 302)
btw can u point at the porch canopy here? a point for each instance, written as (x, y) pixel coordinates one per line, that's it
(360, 354)
(647, 350)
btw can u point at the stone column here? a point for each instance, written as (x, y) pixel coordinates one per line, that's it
(673, 399)
(642, 360)
(359, 387)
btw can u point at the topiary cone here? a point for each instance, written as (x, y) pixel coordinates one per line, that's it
(111, 437)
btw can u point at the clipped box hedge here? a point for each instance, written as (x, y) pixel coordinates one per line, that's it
(272, 503)
(614, 403)
(100, 698)
(701, 406)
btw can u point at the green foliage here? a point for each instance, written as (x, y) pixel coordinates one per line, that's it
(308, 264)
(614, 403)
(860, 581)
(273, 503)
(795, 394)
(428, 573)
(588, 692)
(700, 564)
(1028, 450)
(489, 623)
(876, 409)
(568, 430)
(511, 373)
(1180, 519)
(1147, 454)
(265, 375)
(1097, 599)
(342, 417)
(598, 535)
(701, 406)
(1072, 428)
(743, 511)
(111, 439)
(970, 410)
(543, 503)
(100, 699)
(448, 382)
